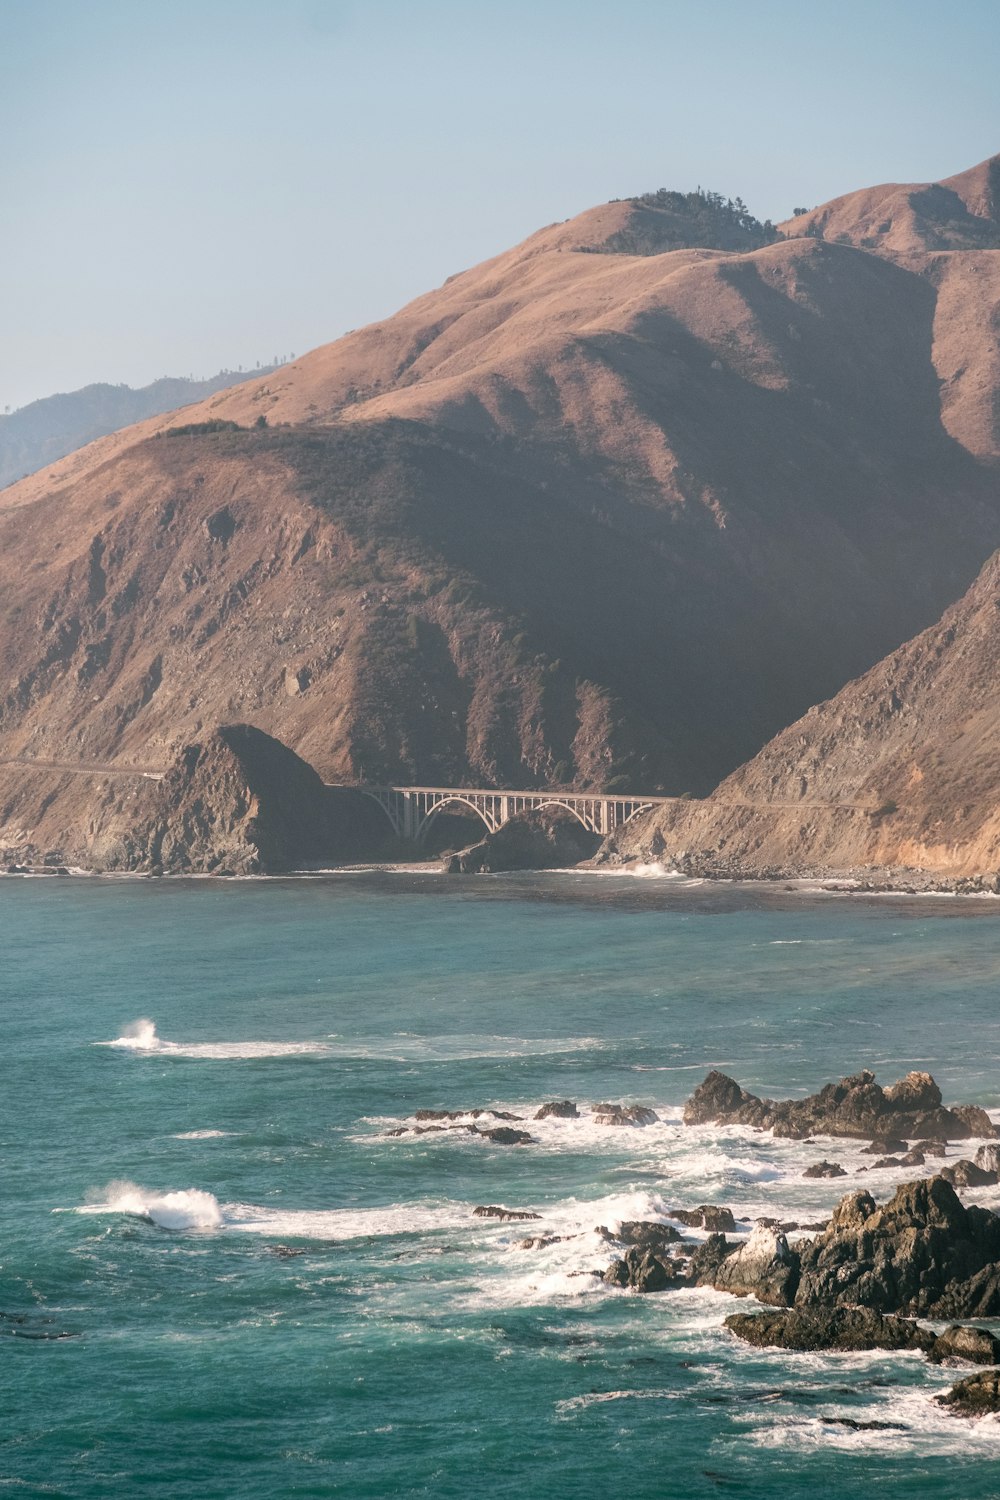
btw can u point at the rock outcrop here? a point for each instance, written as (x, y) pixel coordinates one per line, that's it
(840, 1329)
(624, 1114)
(922, 1253)
(706, 1216)
(641, 1270)
(548, 838)
(558, 1109)
(856, 1107)
(239, 802)
(976, 1396)
(763, 1267)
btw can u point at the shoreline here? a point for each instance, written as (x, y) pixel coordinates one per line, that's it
(921, 886)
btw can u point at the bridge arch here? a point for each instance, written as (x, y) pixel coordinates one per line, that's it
(580, 817)
(485, 817)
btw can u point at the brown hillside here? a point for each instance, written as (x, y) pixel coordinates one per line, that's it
(900, 769)
(573, 517)
(959, 213)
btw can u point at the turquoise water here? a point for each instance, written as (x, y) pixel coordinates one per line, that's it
(265, 1294)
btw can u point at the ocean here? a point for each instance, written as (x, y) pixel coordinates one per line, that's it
(222, 1275)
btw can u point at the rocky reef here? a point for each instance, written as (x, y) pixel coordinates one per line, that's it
(856, 1107)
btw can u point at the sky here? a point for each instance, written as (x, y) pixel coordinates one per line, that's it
(187, 185)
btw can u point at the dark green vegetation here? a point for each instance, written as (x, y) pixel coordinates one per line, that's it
(699, 218)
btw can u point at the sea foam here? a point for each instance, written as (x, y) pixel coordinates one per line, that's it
(188, 1208)
(141, 1037)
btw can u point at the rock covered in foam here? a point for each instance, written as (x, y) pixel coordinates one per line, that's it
(558, 1109)
(624, 1114)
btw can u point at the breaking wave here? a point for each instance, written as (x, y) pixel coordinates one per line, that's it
(141, 1037)
(189, 1208)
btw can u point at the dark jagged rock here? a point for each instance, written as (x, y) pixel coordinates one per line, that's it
(495, 1211)
(888, 1145)
(988, 1157)
(558, 1109)
(976, 1396)
(965, 1173)
(642, 1271)
(977, 1120)
(462, 1114)
(763, 1267)
(977, 1345)
(856, 1424)
(856, 1107)
(643, 1233)
(837, 1328)
(825, 1169)
(540, 1241)
(503, 1135)
(923, 1252)
(624, 1114)
(706, 1259)
(706, 1216)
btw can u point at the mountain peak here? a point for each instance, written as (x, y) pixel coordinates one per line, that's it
(904, 219)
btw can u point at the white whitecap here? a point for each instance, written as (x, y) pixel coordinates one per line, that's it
(188, 1208)
(141, 1037)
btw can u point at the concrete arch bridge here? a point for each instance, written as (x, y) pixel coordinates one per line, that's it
(412, 809)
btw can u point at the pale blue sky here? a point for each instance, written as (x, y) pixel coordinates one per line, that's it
(194, 183)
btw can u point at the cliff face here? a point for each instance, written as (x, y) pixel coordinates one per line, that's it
(573, 518)
(238, 803)
(900, 770)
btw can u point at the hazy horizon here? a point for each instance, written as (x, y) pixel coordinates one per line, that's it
(196, 187)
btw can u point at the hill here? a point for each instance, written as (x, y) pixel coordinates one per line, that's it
(46, 430)
(900, 771)
(601, 519)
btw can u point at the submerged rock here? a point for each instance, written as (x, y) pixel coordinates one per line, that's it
(495, 1211)
(856, 1107)
(825, 1169)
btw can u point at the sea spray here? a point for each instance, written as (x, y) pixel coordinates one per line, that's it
(141, 1037)
(188, 1208)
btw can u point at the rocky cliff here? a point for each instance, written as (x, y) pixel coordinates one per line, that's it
(899, 772)
(237, 803)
